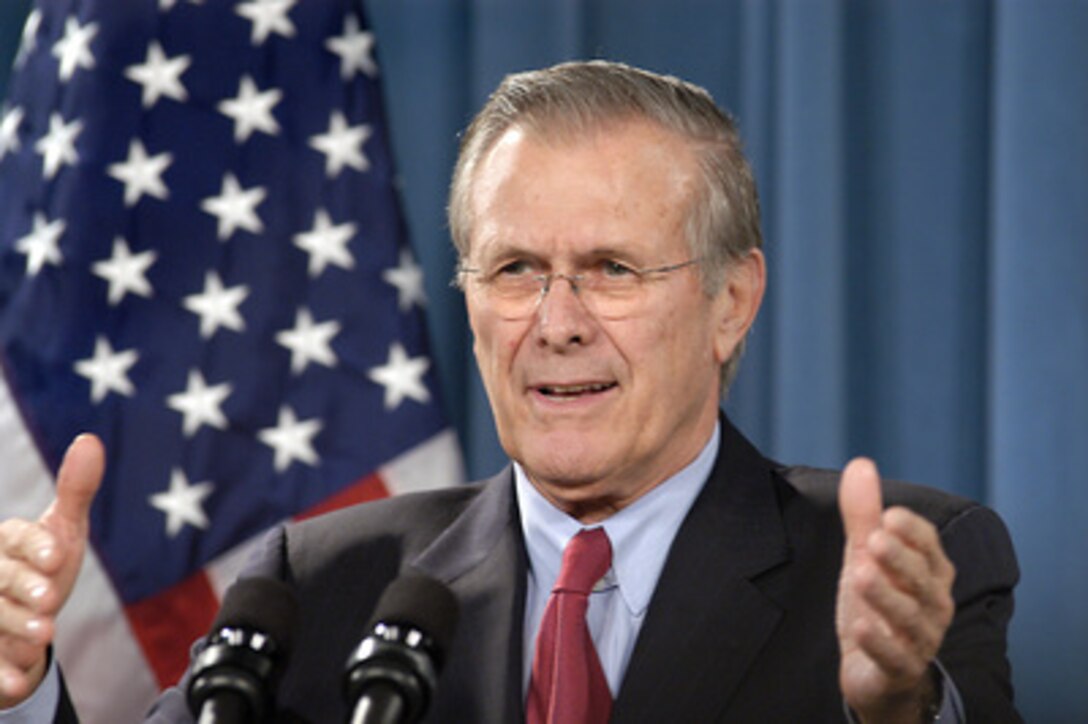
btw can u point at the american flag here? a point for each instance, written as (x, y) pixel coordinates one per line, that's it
(203, 261)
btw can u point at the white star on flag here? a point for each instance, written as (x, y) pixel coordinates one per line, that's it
(402, 376)
(58, 145)
(41, 244)
(407, 277)
(183, 503)
(165, 5)
(251, 110)
(108, 370)
(29, 42)
(342, 145)
(235, 207)
(142, 174)
(159, 76)
(126, 272)
(291, 439)
(216, 306)
(74, 49)
(309, 342)
(327, 244)
(268, 16)
(9, 131)
(354, 48)
(200, 404)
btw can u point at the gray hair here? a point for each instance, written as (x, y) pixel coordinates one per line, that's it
(572, 100)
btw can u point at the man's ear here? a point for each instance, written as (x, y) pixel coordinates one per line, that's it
(738, 302)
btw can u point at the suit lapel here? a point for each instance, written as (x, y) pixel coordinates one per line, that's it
(706, 624)
(481, 557)
(708, 620)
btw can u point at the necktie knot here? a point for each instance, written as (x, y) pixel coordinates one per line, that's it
(586, 559)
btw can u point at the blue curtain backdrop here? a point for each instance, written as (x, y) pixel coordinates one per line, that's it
(924, 175)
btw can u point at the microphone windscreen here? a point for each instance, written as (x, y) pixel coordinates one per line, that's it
(422, 602)
(260, 604)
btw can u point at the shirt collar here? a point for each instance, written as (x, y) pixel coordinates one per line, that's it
(641, 533)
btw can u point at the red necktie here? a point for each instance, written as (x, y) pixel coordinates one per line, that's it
(568, 684)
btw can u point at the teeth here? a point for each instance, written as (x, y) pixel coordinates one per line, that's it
(575, 389)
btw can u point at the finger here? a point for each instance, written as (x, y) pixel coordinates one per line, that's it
(907, 567)
(24, 625)
(77, 482)
(891, 654)
(921, 535)
(19, 653)
(14, 685)
(859, 501)
(16, 682)
(25, 586)
(901, 615)
(28, 543)
(909, 570)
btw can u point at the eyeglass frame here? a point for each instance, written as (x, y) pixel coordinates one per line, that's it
(545, 280)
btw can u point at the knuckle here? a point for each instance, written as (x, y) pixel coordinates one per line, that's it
(21, 627)
(947, 609)
(17, 653)
(10, 531)
(23, 540)
(21, 584)
(949, 572)
(911, 610)
(882, 545)
(866, 579)
(12, 620)
(7, 575)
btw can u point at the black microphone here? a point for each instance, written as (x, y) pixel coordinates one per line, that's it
(251, 637)
(391, 676)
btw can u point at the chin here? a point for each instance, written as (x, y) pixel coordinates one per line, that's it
(564, 460)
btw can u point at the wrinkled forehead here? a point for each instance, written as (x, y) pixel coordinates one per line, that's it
(622, 176)
(619, 183)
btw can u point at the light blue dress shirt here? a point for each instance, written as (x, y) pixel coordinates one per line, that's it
(641, 535)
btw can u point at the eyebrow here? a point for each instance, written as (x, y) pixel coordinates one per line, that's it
(505, 250)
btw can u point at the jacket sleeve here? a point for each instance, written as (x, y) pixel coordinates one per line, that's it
(974, 648)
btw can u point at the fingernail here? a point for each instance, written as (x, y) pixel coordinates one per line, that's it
(44, 554)
(37, 591)
(34, 626)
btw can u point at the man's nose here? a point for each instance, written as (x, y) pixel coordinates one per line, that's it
(550, 280)
(562, 316)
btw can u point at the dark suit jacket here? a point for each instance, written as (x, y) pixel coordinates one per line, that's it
(740, 628)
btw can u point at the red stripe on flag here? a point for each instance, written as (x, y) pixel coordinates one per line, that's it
(372, 487)
(168, 623)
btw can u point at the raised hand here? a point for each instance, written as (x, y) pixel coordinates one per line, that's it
(39, 562)
(894, 603)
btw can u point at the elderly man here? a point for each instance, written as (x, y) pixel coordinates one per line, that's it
(608, 231)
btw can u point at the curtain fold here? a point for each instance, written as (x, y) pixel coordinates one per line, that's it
(1038, 396)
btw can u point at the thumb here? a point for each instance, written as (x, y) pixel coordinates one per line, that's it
(860, 501)
(77, 482)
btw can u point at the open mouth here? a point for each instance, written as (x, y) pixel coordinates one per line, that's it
(573, 391)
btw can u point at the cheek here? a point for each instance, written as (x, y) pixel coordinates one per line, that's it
(496, 347)
(648, 349)
(686, 341)
(673, 329)
(510, 345)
